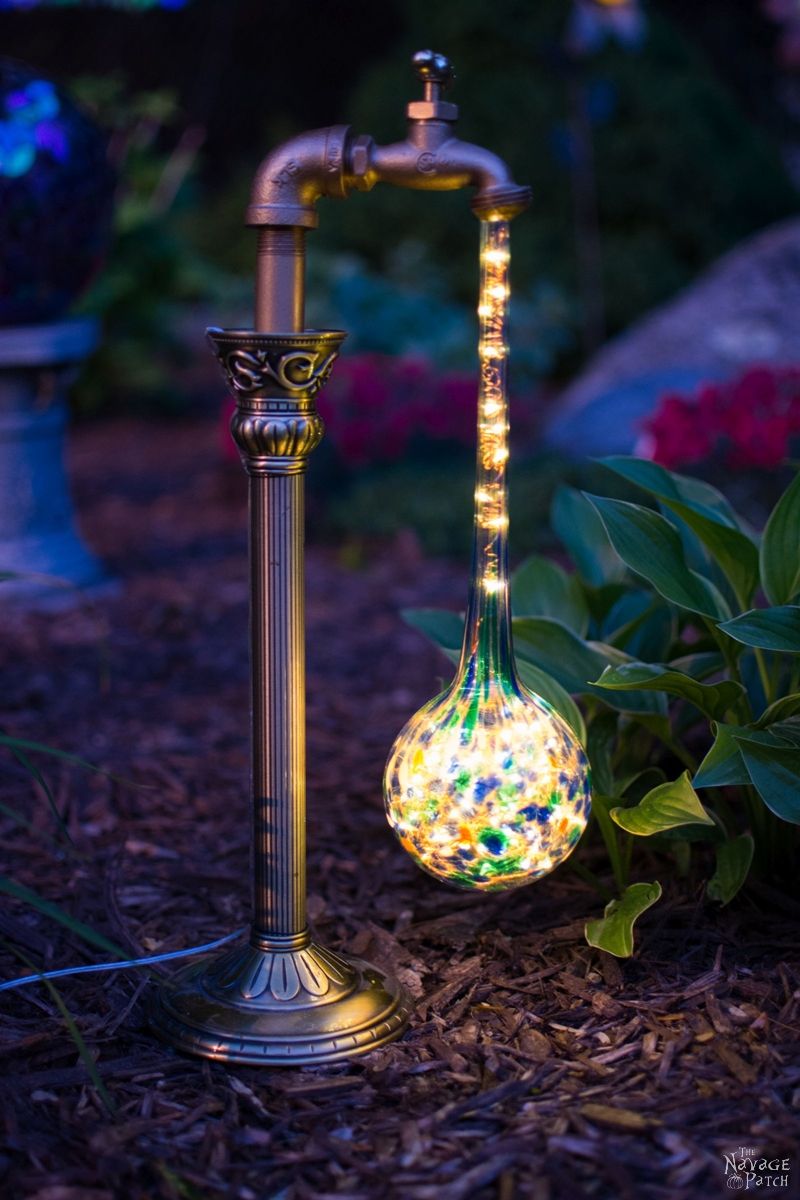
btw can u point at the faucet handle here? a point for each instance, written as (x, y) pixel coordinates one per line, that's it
(436, 73)
(433, 68)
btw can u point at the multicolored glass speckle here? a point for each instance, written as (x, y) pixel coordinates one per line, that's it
(28, 125)
(487, 791)
(486, 786)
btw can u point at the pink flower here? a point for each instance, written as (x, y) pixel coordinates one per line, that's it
(750, 419)
(678, 433)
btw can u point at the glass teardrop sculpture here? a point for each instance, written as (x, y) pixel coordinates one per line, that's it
(486, 786)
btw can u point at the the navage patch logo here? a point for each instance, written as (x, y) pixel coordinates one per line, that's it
(748, 1168)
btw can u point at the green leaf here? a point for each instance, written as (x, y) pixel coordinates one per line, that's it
(780, 548)
(656, 724)
(613, 932)
(602, 600)
(665, 807)
(541, 588)
(705, 511)
(735, 553)
(699, 666)
(733, 866)
(788, 731)
(445, 629)
(600, 744)
(578, 527)
(669, 485)
(723, 765)
(639, 623)
(779, 710)
(601, 807)
(651, 546)
(555, 649)
(20, 892)
(542, 684)
(775, 774)
(767, 628)
(635, 787)
(713, 699)
(689, 834)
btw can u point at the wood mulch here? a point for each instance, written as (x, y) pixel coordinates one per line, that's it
(534, 1066)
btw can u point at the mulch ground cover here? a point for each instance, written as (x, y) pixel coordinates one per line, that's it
(534, 1065)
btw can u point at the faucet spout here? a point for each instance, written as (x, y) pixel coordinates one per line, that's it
(431, 159)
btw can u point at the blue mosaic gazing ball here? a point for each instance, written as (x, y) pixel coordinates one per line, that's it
(56, 197)
(487, 793)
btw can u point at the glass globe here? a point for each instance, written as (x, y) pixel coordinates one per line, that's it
(488, 792)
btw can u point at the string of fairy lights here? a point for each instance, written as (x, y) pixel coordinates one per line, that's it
(491, 498)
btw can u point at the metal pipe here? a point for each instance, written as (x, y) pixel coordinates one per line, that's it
(278, 727)
(280, 279)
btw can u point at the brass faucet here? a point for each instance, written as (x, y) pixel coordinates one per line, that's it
(283, 998)
(334, 162)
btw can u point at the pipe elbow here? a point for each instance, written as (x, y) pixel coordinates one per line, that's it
(296, 174)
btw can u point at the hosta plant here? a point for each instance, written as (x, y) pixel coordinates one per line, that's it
(672, 647)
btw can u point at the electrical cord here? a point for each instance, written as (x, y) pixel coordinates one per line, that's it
(124, 965)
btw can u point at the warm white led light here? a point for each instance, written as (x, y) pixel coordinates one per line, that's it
(496, 257)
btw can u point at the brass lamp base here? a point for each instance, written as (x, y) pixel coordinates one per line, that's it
(284, 1002)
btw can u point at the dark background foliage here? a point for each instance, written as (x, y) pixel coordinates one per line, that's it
(682, 127)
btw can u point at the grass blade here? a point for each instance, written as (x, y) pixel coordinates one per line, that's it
(76, 1035)
(28, 896)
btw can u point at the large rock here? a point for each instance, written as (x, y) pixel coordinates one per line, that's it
(743, 310)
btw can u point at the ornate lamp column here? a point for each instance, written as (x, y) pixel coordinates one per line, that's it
(282, 998)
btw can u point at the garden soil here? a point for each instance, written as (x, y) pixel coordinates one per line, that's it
(534, 1066)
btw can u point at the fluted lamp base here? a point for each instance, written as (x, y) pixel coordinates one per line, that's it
(273, 1005)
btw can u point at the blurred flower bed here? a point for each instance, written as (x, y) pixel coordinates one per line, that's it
(376, 406)
(739, 434)
(751, 421)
